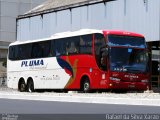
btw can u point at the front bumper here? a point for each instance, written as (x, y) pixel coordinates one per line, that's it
(128, 85)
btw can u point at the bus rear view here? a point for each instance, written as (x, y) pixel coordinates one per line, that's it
(127, 61)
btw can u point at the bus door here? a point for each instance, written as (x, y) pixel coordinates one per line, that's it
(101, 57)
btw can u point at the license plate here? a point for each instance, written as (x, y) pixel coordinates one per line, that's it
(131, 86)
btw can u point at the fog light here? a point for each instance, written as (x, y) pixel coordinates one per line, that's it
(110, 85)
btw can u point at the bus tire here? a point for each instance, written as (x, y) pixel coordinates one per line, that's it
(22, 85)
(30, 86)
(86, 85)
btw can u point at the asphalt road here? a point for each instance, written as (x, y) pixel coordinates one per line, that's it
(27, 109)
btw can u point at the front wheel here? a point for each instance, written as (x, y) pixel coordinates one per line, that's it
(30, 86)
(86, 86)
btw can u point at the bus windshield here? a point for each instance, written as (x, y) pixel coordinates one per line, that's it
(117, 40)
(128, 59)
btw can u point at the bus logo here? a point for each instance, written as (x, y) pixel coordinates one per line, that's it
(32, 63)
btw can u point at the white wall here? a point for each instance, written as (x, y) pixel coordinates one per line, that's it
(129, 15)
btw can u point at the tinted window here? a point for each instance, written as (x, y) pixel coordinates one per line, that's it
(128, 60)
(29, 51)
(60, 47)
(41, 49)
(64, 46)
(116, 40)
(12, 52)
(85, 44)
(19, 52)
(52, 49)
(72, 45)
(24, 51)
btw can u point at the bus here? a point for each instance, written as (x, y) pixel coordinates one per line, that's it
(82, 60)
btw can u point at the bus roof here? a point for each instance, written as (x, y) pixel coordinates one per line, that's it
(76, 33)
(60, 35)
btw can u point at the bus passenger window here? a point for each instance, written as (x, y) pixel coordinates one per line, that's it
(72, 48)
(45, 48)
(57, 52)
(82, 43)
(12, 52)
(36, 52)
(85, 44)
(59, 47)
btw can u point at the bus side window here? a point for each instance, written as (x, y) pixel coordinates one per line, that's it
(71, 45)
(72, 48)
(20, 52)
(16, 54)
(85, 44)
(52, 52)
(36, 51)
(12, 52)
(58, 47)
(45, 48)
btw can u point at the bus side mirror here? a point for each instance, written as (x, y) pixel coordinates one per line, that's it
(104, 55)
(104, 51)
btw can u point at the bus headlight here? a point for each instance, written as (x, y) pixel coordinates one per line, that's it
(144, 81)
(115, 79)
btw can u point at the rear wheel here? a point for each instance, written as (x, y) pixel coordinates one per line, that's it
(30, 86)
(86, 86)
(22, 86)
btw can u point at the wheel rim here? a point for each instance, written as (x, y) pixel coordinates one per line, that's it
(86, 87)
(22, 87)
(30, 87)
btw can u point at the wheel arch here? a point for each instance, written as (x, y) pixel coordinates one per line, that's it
(21, 80)
(83, 78)
(29, 79)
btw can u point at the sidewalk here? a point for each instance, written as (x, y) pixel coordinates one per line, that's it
(147, 99)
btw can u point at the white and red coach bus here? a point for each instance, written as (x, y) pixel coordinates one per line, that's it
(82, 60)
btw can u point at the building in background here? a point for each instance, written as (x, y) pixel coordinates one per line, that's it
(141, 16)
(9, 10)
